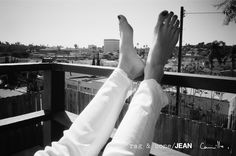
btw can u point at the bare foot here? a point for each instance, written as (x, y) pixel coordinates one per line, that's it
(129, 61)
(166, 34)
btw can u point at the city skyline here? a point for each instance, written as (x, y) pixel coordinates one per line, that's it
(85, 22)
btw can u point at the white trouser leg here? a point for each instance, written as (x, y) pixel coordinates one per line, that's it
(89, 133)
(135, 133)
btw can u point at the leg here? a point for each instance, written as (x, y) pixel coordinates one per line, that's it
(135, 134)
(89, 133)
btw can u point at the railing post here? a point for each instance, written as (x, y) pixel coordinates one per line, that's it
(54, 92)
(233, 52)
(46, 140)
(53, 100)
(47, 77)
(58, 91)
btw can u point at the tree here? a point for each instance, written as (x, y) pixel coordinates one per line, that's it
(93, 62)
(98, 59)
(76, 46)
(31, 81)
(59, 47)
(229, 9)
(218, 51)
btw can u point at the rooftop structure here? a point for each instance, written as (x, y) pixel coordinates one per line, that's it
(111, 45)
(9, 93)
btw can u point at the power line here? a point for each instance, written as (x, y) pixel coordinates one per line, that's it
(203, 12)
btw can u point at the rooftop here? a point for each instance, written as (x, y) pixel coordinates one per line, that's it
(4, 93)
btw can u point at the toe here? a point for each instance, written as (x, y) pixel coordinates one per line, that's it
(122, 18)
(162, 17)
(119, 17)
(167, 21)
(176, 35)
(176, 25)
(173, 20)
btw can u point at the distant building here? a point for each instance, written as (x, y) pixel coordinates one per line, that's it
(84, 83)
(4, 93)
(92, 47)
(111, 45)
(74, 52)
(53, 51)
(79, 90)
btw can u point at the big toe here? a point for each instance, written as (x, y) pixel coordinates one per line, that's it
(162, 17)
(122, 19)
(124, 25)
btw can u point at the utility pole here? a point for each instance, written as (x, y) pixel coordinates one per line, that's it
(179, 57)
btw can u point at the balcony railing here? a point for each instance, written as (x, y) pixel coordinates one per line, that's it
(37, 129)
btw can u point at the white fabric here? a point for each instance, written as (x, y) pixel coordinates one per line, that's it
(135, 133)
(91, 130)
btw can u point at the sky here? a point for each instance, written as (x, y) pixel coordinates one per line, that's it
(85, 22)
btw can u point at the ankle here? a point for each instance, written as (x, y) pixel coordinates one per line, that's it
(154, 72)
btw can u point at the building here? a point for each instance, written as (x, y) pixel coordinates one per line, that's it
(111, 45)
(54, 51)
(80, 89)
(92, 47)
(4, 93)
(84, 83)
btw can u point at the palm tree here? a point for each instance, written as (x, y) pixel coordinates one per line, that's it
(98, 59)
(229, 9)
(93, 62)
(76, 46)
